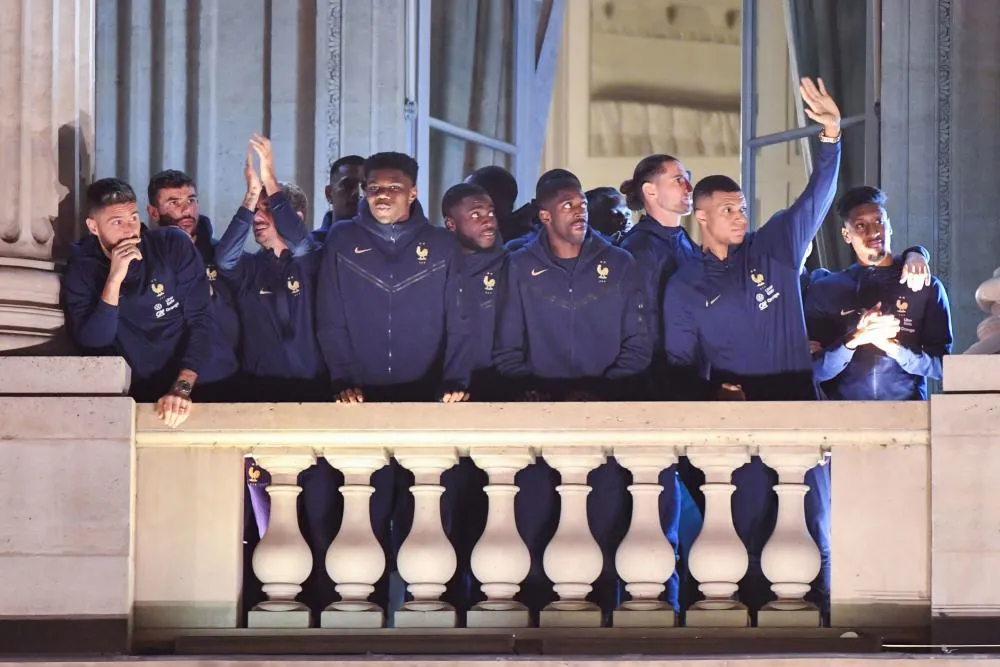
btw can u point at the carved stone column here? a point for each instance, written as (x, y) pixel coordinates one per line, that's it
(988, 331)
(46, 135)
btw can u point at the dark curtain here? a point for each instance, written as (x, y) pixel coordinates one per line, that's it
(831, 41)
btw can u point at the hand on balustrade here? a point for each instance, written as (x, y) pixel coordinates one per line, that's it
(455, 397)
(730, 392)
(916, 272)
(173, 409)
(535, 396)
(353, 395)
(581, 396)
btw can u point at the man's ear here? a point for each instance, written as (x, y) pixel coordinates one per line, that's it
(413, 195)
(328, 191)
(92, 226)
(648, 190)
(544, 217)
(449, 224)
(846, 235)
(701, 217)
(154, 214)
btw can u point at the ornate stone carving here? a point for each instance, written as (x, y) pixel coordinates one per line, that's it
(988, 331)
(46, 127)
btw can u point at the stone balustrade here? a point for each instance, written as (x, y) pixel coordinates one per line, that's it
(112, 522)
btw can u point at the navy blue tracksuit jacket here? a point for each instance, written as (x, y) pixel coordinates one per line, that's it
(568, 325)
(833, 308)
(275, 296)
(740, 320)
(223, 304)
(388, 310)
(659, 251)
(482, 275)
(563, 329)
(163, 322)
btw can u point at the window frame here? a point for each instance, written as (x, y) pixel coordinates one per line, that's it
(751, 143)
(421, 122)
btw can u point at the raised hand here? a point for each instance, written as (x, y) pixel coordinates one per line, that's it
(820, 107)
(261, 145)
(916, 272)
(252, 178)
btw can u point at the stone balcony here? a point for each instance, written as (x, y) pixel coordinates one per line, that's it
(120, 535)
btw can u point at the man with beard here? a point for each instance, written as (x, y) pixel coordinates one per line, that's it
(389, 319)
(571, 326)
(344, 193)
(880, 341)
(173, 202)
(144, 295)
(274, 288)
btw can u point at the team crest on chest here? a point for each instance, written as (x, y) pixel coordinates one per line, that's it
(293, 286)
(422, 252)
(211, 273)
(766, 294)
(603, 272)
(901, 305)
(164, 304)
(157, 288)
(489, 282)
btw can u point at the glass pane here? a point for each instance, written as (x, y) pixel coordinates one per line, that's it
(830, 42)
(781, 178)
(472, 65)
(664, 77)
(451, 160)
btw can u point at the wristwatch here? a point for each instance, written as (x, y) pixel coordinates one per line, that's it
(182, 388)
(830, 140)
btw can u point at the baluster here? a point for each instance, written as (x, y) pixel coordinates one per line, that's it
(500, 559)
(282, 559)
(645, 559)
(573, 559)
(426, 559)
(718, 558)
(790, 559)
(355, 560)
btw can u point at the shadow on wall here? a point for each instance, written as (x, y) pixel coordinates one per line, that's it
(75, 166)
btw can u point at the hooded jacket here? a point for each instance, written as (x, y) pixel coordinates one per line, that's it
(833, 309)
(275, 297)
(562, 329)
(388, 310)
(164, 321)
(739, 320)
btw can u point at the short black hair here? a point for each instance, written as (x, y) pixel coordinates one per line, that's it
(552, 181)
(864, 194)
(709, 185)
(604, 192)
(497, 181)
(391, 160)
(108, 192)
(457, 193)
(346, 161)
(169, 178)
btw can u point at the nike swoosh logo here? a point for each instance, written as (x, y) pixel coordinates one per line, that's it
(538, 272)
(359, 251)
(709, 303)
(846, 312)
(265, 292)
